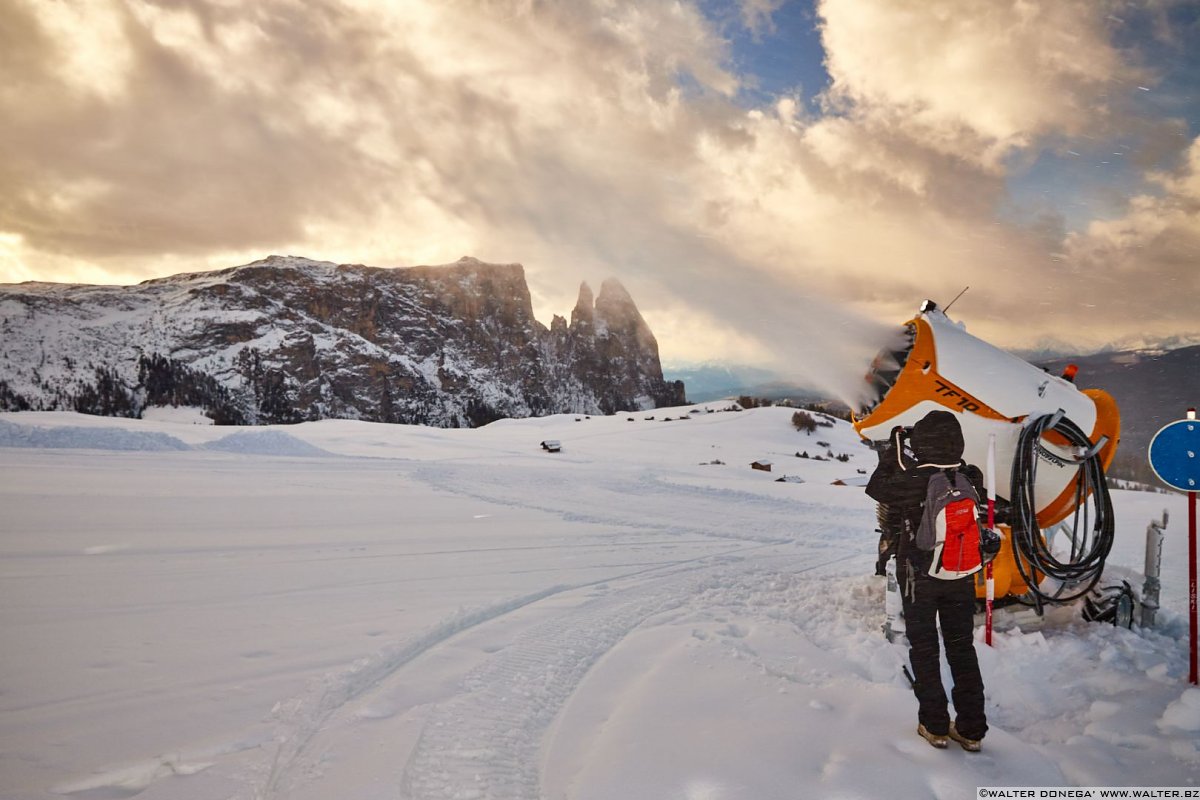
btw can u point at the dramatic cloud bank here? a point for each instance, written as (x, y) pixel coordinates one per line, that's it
(608, 137)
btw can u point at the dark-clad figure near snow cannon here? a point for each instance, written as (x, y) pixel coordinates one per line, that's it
(934, 499)
(1049, 442)
(1044, 444)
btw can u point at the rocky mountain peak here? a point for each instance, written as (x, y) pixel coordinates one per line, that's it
(584, 312)
(286, 339)
(618, 313)
(613, 293)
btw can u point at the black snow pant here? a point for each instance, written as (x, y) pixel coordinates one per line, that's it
(926, 602)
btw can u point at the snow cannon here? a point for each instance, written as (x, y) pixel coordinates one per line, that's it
(1053, 443)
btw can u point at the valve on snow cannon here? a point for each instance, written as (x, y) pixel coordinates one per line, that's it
(1053, 440)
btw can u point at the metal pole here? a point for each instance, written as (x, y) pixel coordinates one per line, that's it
(1191, 414)
(1175, 463)
(989, 581)
(1192, 677)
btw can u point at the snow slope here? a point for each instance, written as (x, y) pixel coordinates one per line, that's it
(347, 610)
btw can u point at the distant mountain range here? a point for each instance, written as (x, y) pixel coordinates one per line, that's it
(1152, 388)
(714, 381)
(1053, 349)
(287, 339)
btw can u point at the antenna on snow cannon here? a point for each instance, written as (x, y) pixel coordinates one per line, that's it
(1053, 443)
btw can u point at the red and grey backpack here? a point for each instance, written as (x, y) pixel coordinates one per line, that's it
(950, 526)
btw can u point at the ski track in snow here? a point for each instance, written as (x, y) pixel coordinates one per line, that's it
(302, 718)
(484, 743)
(644, 501)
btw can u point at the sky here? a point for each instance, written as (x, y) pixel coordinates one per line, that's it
(768, 178)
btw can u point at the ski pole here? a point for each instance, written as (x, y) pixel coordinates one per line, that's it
(989, 581)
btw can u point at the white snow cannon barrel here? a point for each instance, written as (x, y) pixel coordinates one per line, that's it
(1053, 440)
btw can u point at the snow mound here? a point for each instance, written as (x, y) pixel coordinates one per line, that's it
(265, 443)
(1183, 714)
(79, 438)
(178, 415)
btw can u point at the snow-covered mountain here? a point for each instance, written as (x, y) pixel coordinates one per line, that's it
(1050, 348)
(1152, 388)
(287, 339)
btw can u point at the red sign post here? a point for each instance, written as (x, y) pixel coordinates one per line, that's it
(1175, 458)
(1192, 676)
(989, 578)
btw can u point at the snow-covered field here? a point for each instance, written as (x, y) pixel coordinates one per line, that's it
(347, 610)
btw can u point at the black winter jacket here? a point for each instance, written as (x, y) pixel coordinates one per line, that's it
(937, 443)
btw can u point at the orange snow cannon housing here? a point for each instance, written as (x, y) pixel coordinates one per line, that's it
(936, 364)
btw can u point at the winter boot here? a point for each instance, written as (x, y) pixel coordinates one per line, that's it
(970, 745)
(940, 742)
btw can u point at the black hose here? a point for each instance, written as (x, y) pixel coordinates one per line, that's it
(1090, 543)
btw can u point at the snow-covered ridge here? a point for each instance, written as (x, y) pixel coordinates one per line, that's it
(78, 437)
(287, 339)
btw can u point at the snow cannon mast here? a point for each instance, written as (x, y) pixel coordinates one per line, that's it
(1047, 429)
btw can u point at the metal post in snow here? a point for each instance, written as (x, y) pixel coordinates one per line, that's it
(1152, 588)
(1193, 678)
(989, 581)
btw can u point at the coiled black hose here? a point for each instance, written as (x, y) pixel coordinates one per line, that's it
(1091, 541)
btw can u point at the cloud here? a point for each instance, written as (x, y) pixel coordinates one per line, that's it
(1154, 247)
(584, 139)
(756, 14)
(975, 79)
(222, 125)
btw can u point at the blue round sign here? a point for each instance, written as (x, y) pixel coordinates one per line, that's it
(1175, 455)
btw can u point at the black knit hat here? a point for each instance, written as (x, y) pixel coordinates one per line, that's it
(937, 438)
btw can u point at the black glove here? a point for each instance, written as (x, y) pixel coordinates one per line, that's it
(989, 544)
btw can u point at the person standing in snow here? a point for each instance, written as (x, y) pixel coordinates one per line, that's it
(936, 443)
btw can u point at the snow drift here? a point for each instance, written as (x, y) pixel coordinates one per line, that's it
(428, 613)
